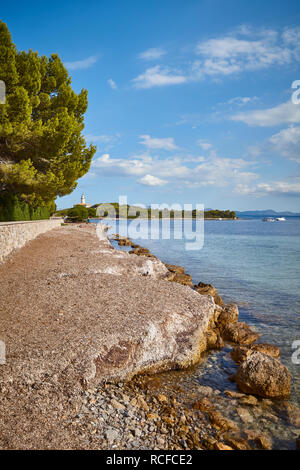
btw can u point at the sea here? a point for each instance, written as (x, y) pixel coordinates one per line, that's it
(252, 263)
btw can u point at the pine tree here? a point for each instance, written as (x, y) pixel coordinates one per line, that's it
(42, 149)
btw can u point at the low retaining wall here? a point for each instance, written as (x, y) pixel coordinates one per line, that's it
(14, 235)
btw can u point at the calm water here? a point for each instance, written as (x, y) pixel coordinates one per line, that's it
(255, 264)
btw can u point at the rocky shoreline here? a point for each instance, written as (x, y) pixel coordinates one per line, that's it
(260, 375)
(73, 382)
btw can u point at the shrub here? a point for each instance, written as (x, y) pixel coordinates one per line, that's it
(78, 213)
(13, 209)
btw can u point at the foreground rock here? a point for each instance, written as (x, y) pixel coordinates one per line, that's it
(239, 333)
(208, 289)
(240, 353)
(229, 314)
(113, 317)
(264, 376)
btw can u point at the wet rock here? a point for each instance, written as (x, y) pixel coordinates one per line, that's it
(220, 422)
(264, 376)
(229, 314)
(237, 442)
(174, 268)
(233, 394)
(221, 446)
(292, 413)
(140, 251)
(208, 289)
(263, 442)
(202, 405)
(267, 349)
(240, 353)
(249, 400)
(184, 279)
(214, 340)
(245, 415)
(124, 242)
(205, 390)
(239, 333)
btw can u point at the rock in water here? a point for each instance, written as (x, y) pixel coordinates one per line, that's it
(264, 376)
(174, 268)
(267, 349)
(208, 289)
(240, 353)
(239, 333)
(184, 279)
(229, 314)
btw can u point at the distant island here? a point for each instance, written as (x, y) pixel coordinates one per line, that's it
(266, 213)
(113, 210)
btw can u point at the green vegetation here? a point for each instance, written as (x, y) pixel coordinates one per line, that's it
(13, 209)
(42, 150)
(216, 214)
(78, 213)
(113, 210)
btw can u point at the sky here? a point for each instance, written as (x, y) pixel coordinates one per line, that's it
(190, 102)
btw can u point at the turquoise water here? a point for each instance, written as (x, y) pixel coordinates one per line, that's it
(253, 263)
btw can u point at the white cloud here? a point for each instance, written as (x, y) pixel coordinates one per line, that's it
(241, 100)
(204, 145)
(150, 180)
(237, 53)
(112, 84)
(158, 76)
(155, 143)
(184, 172)
(81, 64)
(283, 113)
(152, 54)
(276, 188)
(287, 142)
(243, 50)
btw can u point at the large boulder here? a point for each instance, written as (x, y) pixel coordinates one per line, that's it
(239, 333)
(208, 289)
(264, 376)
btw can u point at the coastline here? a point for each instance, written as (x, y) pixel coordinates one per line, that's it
(154, 416)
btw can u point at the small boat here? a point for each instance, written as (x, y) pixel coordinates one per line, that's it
(281, 219)
(268, 219)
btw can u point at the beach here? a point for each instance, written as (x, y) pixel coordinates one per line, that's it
(90, 334)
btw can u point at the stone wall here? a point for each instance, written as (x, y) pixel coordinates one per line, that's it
(14, 235)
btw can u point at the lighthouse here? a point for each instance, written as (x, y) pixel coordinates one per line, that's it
(83, 202)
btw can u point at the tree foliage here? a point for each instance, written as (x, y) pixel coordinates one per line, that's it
(78, 213)
(42, 150)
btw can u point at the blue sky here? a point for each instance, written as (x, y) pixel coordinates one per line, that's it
(189, 101)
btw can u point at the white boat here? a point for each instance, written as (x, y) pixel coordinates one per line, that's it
(281, 219)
